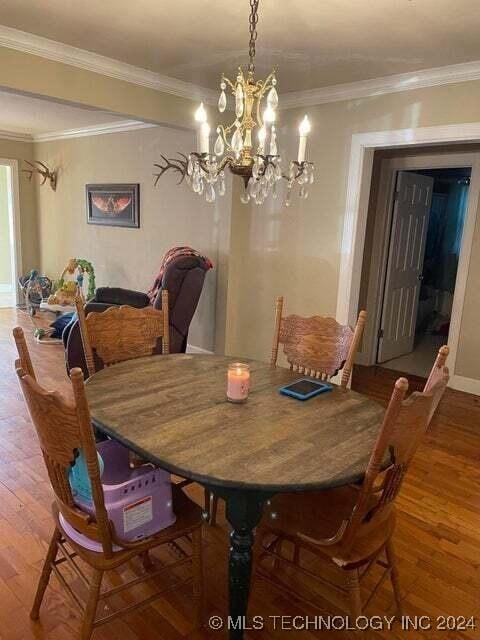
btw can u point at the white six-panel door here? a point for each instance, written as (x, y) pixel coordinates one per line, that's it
(405, 264)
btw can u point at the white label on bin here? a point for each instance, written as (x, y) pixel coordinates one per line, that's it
(137, 513)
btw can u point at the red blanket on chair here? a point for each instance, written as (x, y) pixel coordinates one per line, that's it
(167, 258)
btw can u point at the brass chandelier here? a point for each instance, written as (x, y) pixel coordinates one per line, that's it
(248, 146)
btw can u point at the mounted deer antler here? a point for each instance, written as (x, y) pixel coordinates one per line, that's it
(176, 164)
(42, 169)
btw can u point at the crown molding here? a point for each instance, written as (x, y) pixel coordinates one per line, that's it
(94, 130)
(75, 57)
(15, 136)
(436, 76)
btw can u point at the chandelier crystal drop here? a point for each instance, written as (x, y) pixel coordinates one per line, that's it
(248, 147)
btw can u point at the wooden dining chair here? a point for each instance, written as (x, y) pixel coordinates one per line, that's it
(63, 428)
(316, 346)
(122, 333)
(349, 530)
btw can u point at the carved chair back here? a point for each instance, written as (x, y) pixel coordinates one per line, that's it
(24, 361)
(404, 424)
(122, 333)
(63, 428)
(316, 346)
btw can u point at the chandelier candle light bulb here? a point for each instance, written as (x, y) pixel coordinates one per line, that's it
(269, 115)
(204, 131)
(262, 134)
(204, 138)
(201, 114)
(304, 130)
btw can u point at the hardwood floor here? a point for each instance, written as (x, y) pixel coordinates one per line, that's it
(437, 540)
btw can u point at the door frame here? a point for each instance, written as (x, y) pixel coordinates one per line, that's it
(356, 212)
(388, 174)
(13, 195)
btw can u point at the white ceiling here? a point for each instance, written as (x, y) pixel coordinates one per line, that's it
(312, 43)
(32, 116)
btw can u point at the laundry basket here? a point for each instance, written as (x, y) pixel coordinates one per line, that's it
(138, 501)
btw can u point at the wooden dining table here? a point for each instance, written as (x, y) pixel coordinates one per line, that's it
(173, 411)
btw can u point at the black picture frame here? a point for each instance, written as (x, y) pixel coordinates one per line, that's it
(113, 205)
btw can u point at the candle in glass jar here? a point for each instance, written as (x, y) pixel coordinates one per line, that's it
(238, 382)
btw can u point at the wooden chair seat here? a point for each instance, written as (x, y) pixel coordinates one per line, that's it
(189, 516)
(303, 518)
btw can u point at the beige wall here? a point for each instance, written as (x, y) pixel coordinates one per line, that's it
(468, 354)
(28, 215)
(296, 251)
(169, 214)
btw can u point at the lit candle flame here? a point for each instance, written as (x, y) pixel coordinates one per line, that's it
(201, 114)
(304, 128)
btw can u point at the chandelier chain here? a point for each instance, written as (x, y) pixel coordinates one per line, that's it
(253, 19)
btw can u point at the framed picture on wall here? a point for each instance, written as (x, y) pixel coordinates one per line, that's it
(115, 205)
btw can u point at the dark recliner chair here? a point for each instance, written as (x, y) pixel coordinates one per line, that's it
(183, 278)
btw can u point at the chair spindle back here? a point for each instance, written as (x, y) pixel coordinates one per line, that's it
(316, 346)
(122, 333)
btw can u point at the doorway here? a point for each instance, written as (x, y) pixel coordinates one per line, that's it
(10, 257)
(450, 145)
(425, 237)
(379, 188)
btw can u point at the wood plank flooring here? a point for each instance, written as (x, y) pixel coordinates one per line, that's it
(438, 535)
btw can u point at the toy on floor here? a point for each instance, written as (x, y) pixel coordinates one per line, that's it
(138, 501)
(72, 282)
(35, 288)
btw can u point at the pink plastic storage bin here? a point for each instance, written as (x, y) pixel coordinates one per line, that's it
(138, 501)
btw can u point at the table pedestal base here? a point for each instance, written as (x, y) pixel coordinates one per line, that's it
(244, 509)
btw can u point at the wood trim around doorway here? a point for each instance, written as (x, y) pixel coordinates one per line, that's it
(358, 191)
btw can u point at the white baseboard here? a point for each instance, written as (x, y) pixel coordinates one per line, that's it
(460, 383)
(193, 349)
(468, 385)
